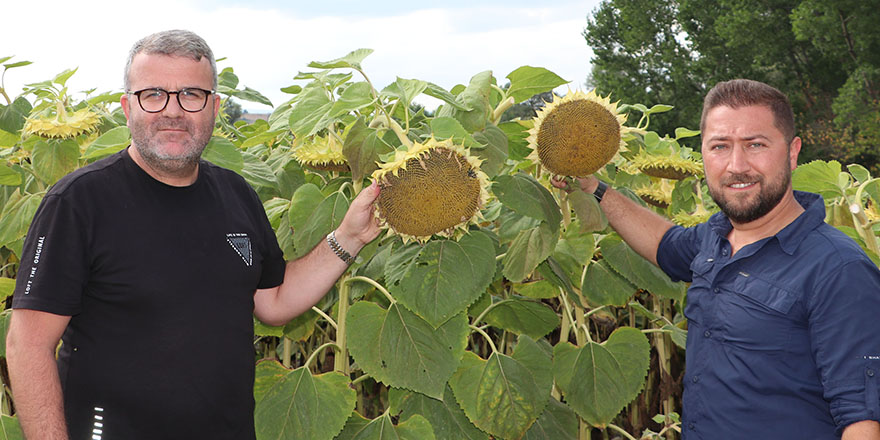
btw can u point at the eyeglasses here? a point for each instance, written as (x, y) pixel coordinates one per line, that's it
(154, 100)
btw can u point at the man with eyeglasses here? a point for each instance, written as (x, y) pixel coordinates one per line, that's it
(149, 265)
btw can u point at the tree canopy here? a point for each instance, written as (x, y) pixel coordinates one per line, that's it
(824, 54)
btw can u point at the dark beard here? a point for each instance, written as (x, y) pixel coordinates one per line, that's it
(768, 198)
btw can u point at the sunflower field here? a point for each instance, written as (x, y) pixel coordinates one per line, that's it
(495, 306)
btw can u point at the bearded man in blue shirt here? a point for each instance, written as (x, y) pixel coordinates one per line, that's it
(782, 307)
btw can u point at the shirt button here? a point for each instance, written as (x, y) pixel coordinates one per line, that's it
(870, 372)
(695, 379)
(707, 333)
(690, 425)
(716, 290)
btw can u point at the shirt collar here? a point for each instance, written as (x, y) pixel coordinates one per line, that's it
(791, 236)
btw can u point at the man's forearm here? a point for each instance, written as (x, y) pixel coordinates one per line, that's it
(864, 430)
(37, 394)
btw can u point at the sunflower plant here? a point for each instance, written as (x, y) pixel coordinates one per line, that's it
(494, 307)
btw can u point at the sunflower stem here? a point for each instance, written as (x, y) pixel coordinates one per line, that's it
(485, 335)
(317, 351)
(373, 283)
(502, 107)
(325, 316)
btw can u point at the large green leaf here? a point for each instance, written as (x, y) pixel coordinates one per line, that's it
(257, 173)
(527, 251)
(54, 159)
(476, 97)
(517, 139)
(818, 177)
(304, 406)
(15, 219)
(7, 286)
(537, 289)
(494, 153)
(223, 153)
(399, 349)
(310, 113)
(5, 317)
(587, 210)
(525, 195)
(360, 154)
(598, 380)
(353, 60)
(440, 93)
(12, 116)
(8, 176)
(446, 127)
(444, 277)
(354, 97)
(266, 375)
(638, 270)
(504, 395)
(558, 422)
(522, 316)
(383, 428)
(603, 286)
(446, 416)
(528, 81)
(108, 143)
(323, 219)
(404, 90)
(10, 429)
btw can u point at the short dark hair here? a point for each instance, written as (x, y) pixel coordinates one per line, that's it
(175, 43)
(744, 92)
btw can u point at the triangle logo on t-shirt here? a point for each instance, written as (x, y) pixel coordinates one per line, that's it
(242, 245)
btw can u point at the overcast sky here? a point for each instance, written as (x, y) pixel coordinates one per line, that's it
(268, 42)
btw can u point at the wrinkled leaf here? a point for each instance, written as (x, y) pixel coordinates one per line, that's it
(444, 277)
(587, 210)
(537, 289)
(310, 113)
(818, 177)
(558, 422)
(504, 395)
(604, 286)
(16, 216)
(598, 380)
(256, 172)
(360, 154)
(446, 416)
(399, 349)
(383, 428)
(221, 152)
(521, 316)
(8, 176)
(108, 143)
(494, 151)
(525, 195)
(304, 406)
(54, 159)
(527, 251)
(353, 59)
(325, 218)
(528, 81)
(638, 270)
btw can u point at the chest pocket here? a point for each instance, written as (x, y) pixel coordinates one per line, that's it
(700, 302)
(757, 314)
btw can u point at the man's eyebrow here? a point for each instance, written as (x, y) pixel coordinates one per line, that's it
(745, 138)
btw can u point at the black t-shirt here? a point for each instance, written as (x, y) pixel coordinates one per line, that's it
(159, 283)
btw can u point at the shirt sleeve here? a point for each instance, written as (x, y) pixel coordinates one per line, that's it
(273, 264)
(54, 266)
(677, 249)
(843, 314)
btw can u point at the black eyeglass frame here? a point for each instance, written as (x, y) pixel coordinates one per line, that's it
(168, 94)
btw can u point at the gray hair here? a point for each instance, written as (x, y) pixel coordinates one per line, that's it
(178, 43)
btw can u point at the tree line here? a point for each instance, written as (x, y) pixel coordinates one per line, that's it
(824, 54)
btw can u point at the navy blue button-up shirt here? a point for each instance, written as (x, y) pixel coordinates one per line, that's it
(783, 337)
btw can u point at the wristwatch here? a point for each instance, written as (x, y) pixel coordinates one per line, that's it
(600, 191)
(337, 249)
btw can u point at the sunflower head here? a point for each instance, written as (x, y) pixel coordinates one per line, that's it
(577, 134)
(658, 194)
(322, 154)
(432, 188)
(672, 167)
(62, 124)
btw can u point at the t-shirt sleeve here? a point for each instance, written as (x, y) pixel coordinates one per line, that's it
(676, 251)
(54, 265)
(843, 312)
(273, 257)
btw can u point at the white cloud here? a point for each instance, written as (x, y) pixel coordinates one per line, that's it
(268, 46)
